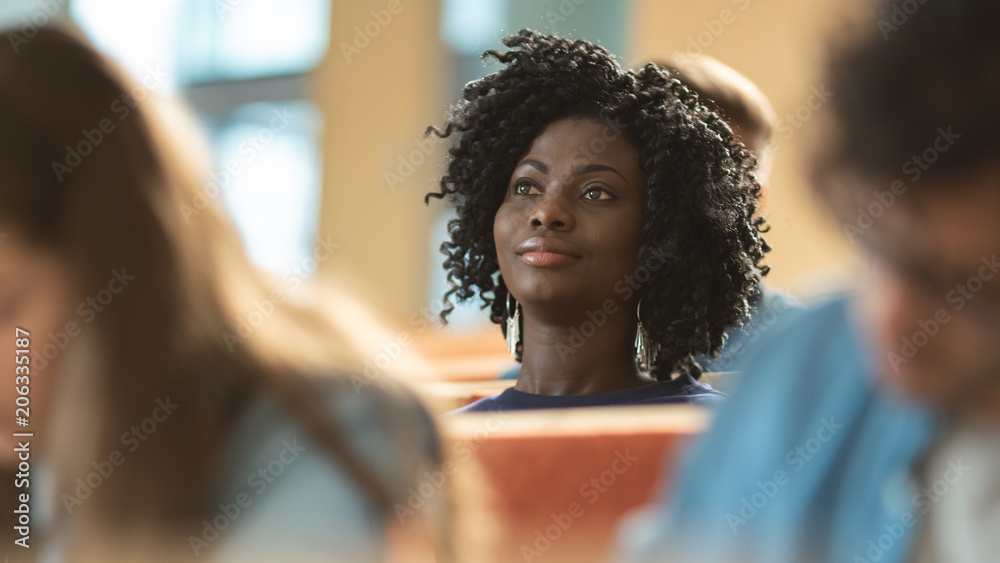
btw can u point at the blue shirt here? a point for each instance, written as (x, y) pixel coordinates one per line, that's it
(807, 461)
(682, 389)
(768, 308)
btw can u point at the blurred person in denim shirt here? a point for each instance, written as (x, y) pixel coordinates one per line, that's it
(868, 428)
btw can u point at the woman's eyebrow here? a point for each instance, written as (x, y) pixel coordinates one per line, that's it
(579, 170)
(534, 163)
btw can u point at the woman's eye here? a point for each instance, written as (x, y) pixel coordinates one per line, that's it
(523, 188)
(595, 194)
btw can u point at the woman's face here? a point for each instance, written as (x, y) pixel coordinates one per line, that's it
(570, 226)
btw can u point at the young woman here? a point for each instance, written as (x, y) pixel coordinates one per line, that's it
(607, 220)
(181, 407)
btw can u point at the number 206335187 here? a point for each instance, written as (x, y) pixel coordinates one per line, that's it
(22, 416)
(22, 377)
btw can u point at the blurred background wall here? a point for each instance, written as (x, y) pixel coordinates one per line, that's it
(315, 111)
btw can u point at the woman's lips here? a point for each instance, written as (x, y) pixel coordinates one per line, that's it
(546, 258)
(544, 251)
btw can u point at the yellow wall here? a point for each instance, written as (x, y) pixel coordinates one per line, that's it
(377, 101)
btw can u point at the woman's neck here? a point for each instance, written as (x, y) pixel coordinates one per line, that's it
(578, 360)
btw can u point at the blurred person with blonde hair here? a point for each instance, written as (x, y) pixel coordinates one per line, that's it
(752, 118)
(181, 407)
(737, 99)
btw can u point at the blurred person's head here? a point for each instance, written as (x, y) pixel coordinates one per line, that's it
(740, 102)
(635, 188)
(912, 172)
(132, 303)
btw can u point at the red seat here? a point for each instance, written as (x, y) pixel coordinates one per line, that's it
(563, 479)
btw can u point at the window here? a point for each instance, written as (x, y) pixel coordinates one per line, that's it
(242, 65)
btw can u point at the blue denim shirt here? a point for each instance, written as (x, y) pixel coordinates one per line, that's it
(807, 461)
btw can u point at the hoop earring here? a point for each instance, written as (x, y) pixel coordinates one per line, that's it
(646, 350)
(513, 327)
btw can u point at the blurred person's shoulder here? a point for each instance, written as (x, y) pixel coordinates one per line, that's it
(778, 301)
(385, 423)
(767, 309)
(798, 336)
(291, 494)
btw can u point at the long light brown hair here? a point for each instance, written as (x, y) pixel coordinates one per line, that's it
(170, 332)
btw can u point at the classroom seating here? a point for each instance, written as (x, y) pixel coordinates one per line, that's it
(477, 356)
(561, 480)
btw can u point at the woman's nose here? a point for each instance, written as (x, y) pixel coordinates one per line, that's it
(552, 212)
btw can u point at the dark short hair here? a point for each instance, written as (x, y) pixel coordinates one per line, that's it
(921, 67)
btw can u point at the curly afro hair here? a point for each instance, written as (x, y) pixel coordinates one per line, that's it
(702, 190)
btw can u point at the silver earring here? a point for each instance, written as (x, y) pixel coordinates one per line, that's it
(645, 349)
(513, 327)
